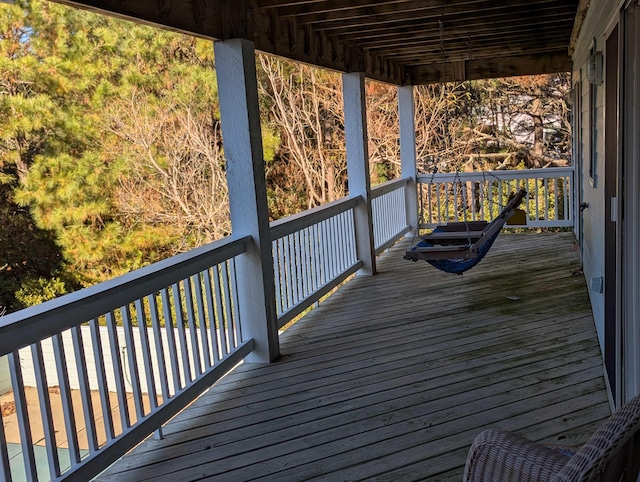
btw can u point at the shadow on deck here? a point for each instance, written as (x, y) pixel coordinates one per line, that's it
(393, 376)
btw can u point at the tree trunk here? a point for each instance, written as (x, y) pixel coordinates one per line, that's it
(538, 131)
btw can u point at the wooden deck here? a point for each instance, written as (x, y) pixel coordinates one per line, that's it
(393, 376)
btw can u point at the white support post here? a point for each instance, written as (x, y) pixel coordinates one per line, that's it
(355, 120)
(240, 119)
(406, 111)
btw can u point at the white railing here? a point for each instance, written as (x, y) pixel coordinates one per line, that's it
(455, 197)
(171, 328)
(130, 353)
(313, 252)
(389, 212)
(124, 356)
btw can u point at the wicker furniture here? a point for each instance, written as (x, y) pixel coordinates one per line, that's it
(611, 454)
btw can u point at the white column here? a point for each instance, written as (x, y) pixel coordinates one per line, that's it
(355, 120)
(406, 112)
(240, 119)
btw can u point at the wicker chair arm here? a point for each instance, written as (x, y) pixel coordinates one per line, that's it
(497, 456)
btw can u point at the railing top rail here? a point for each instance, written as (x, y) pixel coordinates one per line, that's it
(30, 325)
(296, 222)
(386, 187)
(493, 175)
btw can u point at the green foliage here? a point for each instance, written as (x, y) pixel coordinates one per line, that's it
(270, 142)
(26, 252)
(34, 291)
(111, 152)
(63, 72)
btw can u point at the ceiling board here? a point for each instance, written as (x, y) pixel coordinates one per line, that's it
(394, 41)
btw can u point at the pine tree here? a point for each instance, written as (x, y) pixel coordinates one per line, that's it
(65, 76)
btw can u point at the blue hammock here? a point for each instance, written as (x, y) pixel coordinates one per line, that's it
(458, 247)
(459, 265)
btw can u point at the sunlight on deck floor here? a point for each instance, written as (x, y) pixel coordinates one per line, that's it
(393, 376)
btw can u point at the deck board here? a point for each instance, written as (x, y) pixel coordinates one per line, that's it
(393, 376)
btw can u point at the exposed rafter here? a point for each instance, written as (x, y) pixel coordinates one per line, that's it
(395, 41)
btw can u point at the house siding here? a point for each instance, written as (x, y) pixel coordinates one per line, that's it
(597, 24)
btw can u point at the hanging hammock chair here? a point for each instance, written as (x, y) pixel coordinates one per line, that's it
(458, 247)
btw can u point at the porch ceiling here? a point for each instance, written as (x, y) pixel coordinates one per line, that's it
(396, 41)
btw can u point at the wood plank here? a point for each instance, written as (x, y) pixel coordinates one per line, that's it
(278, 431)
(463, 226)
(393, 376)
(336, 449)
(440, 252)
(452, 235)
(449, 467)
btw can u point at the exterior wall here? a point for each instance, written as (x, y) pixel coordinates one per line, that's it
(623, 332)
(598, 23)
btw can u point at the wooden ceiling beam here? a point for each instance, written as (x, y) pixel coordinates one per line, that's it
(286, 39)
(454, 31)
(354, 9)
(526, 32)
(194, 17)
(298, 3)
(515, 16)
(420, 10)
(547, 63)
(476, 39)
(391, 41)
(413, 60)
(227, 19)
